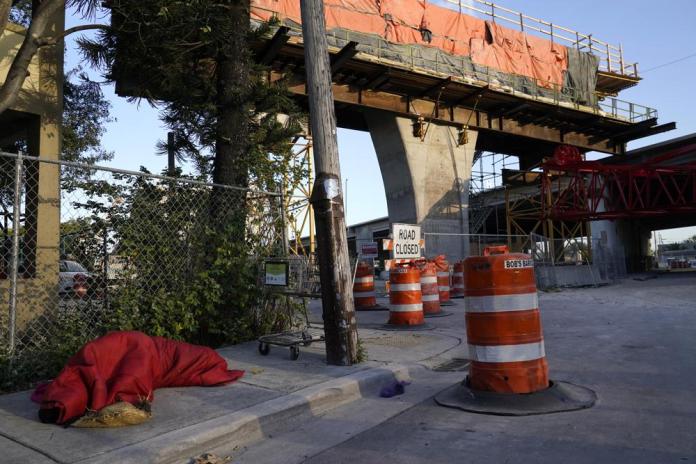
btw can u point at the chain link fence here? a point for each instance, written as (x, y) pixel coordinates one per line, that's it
(576, 262)
(87, 249)
(472, 244)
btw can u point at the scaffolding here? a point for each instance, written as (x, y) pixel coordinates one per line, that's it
(298, 209)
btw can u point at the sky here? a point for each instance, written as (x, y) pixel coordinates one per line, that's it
(652, 34)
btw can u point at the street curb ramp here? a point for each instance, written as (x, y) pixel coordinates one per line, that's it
(254, 423)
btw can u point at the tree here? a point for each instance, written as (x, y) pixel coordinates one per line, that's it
(37, 36)
(85, 114)
(193, 59)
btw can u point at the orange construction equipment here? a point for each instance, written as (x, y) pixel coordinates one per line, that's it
(405, 300)
(364, 287)
(443, 279)
(458, 281)
(503, 326)
(429, 289)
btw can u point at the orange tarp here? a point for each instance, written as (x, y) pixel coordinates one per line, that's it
(401, 22)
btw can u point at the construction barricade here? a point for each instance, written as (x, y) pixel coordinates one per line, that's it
(429, 289)
(443, 279)
(503, 326)
(405, 298)
(364, 288)
(457, 290)
(508, 374)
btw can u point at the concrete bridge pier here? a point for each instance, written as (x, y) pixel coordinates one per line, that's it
(426, 181)
(624, 243)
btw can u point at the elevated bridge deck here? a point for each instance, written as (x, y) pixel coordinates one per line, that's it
(511, 121)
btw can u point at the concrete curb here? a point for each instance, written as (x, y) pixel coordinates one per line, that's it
(253, 423)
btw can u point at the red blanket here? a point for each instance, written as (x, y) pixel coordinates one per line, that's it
(127, 366)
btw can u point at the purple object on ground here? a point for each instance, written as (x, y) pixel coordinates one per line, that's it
(394, 388)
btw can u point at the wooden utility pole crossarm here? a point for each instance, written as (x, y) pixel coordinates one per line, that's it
(327, 199)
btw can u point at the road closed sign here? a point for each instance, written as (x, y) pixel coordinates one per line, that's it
(407, 240)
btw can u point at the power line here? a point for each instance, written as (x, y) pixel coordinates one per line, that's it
(678, 60)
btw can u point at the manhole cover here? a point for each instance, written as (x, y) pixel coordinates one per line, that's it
(452, 365)
(401, 340)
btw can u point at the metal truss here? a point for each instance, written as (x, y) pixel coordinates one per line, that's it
(582, 190)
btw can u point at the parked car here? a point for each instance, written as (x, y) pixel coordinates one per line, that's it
(74, 279)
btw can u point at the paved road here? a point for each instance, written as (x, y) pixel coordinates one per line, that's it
(634, 344)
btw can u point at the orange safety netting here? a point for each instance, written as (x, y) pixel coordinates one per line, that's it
(404, 21)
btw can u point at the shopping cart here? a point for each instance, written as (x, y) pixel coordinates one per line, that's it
(291, 277)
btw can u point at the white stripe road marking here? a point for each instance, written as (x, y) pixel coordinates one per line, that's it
(363, 294)
(428, 280)
(501, 303)
(507, 353)
(434, 297)
(405, 287)
(406, 308)
(364, 280)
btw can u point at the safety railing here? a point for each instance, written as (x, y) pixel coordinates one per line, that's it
(611, 56)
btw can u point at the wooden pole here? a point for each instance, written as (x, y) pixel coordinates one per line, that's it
(327, 198)
(171, 155)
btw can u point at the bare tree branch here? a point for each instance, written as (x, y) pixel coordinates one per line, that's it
(33, 40)
(45, 41)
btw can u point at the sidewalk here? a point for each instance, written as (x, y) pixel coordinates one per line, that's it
(275, 393)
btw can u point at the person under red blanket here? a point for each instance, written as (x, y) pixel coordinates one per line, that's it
(127, 366)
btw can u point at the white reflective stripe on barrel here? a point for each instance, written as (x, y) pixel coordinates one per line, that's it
(443, 274)
(507, 353)
(434, 297)
(458, 286)
(459, 274)
(405, 287)
(428, 280)
(444, 288)
(406, 308)
(501, 303)
(364, 280)
(363, 294)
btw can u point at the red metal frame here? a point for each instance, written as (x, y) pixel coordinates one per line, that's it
(589, 190)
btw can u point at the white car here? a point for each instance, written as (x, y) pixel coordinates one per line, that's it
(73, 278)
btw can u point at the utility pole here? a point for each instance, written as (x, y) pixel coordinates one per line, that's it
(327, 199)
(171, 155)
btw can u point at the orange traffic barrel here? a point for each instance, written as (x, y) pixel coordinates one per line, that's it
(503, 325)
(405, 301)
(364, 287)
(443, 279)
(457, 290)
(429, 289)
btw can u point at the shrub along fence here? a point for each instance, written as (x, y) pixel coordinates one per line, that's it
(87, 249)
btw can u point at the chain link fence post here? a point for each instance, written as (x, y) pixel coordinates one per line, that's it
(14, 258)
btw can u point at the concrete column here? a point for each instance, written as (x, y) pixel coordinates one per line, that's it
(622, 243)
(426, 182)
(38, 294)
